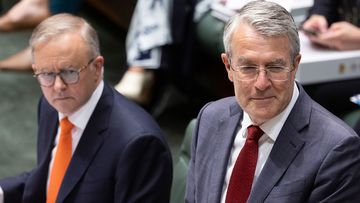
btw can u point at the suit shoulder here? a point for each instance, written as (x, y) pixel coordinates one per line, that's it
(220, 107)
(330, 124)
(132, 120)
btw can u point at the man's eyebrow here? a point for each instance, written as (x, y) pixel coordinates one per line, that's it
(244, 60)
(277, 61)
(43, 70)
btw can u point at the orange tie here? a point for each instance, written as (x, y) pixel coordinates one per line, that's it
(61, 161)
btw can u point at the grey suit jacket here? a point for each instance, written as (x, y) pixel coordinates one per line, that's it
(314, 159)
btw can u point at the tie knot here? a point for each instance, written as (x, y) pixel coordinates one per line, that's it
(66, 126)
(254, 132)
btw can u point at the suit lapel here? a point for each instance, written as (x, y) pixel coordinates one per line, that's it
(85, 152)
(283, 153)
(285, 149)
(225, 136)
(48, 125)
(35, 190)
(89, 144)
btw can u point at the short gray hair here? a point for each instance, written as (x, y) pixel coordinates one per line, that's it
(268, 19)
(64, 23)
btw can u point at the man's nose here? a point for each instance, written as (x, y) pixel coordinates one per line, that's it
(59, 83)
(262, 81)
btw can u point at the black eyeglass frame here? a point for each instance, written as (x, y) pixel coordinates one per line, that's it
(55, 74)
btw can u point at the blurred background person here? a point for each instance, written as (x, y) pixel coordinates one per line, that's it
(27, 14)
(335, 24)
(149, 32)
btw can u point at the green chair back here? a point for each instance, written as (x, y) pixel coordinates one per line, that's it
(181, 166)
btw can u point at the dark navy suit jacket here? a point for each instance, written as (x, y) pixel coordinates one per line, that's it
(122, 156)
(315, 157)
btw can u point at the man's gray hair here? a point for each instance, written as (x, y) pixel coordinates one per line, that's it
(267, 19)
(60, 24)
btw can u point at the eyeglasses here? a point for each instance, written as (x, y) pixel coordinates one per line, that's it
(68, 76)
(274, 73)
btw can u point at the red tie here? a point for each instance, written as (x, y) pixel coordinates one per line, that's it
(243, 172)
(61, 161)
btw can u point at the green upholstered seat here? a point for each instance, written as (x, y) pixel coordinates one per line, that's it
(181, 166)
(351, 117)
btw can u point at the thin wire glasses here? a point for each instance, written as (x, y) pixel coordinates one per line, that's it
(274, 73)
(68, 76)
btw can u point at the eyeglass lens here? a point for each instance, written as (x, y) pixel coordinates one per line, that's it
(67, 76)
(274, 73)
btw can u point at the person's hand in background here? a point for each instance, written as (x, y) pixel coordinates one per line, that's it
(316, 23)
(340, 35)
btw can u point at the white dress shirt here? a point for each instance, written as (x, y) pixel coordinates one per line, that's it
(271, 129)
(79, 119)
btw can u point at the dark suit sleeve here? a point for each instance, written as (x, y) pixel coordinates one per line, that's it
(144, 172)
(326, 8)
(13, 188)
(338, 177)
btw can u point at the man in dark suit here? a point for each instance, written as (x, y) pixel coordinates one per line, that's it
(300, 153)
(117, 151)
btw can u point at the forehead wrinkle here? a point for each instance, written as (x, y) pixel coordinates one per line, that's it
(55, 64)
(63, 56)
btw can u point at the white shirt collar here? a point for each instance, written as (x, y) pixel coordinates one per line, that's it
(81, 117)
(273, 126)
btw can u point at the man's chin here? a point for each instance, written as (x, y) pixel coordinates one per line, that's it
(261, 115)
(64, 111)
(62, 108)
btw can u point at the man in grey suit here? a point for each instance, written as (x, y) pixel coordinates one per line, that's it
(304, 154)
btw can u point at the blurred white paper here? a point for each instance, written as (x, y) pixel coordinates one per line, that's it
(319, 64)
(355, 99)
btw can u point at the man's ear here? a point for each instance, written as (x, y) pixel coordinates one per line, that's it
(99, 62)
(226, 61)
(297, 62)
(99, 67)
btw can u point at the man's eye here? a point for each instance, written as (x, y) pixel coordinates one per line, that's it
(68, 72)
(276, 69)
(47, 73)
(247, 69)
